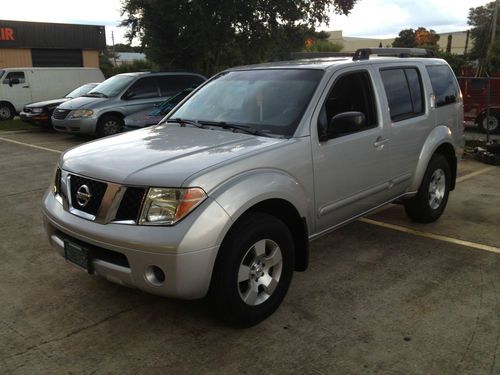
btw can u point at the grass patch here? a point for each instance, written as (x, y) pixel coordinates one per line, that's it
(16, 124)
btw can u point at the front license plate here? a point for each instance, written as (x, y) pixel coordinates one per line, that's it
(78, 255)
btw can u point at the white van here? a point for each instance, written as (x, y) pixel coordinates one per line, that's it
(20, 86)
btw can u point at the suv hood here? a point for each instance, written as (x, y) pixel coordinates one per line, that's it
(82, 102)
(164, 155)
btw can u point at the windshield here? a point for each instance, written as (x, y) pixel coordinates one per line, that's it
(82, 90)
(1, 73)
(112, 86)
(270, 101)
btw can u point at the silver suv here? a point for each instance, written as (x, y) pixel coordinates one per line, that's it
(223, 197)
(102, 110)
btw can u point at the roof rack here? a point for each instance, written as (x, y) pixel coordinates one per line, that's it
(364, 53)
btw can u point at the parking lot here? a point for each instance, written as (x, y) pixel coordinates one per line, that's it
(382, 295)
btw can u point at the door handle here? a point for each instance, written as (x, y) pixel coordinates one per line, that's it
(380, 142)
(26, 87)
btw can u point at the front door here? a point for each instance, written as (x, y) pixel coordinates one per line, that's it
(351, 170)
(16, 89)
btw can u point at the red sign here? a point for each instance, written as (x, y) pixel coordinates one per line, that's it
(6, 33)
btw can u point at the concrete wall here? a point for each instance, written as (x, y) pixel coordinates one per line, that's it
(15, 57)
(351, 44)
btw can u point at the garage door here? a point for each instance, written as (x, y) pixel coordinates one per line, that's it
(56, 57)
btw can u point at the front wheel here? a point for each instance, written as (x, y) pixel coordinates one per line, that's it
(7, 112)
(430, 201)
(109, 125)
(253, 270)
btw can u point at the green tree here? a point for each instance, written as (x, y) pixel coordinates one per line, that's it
(405, 39)
(209, 35)
(423, 38)
(480, 19)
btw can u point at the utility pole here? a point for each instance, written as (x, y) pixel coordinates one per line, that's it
(113, 44)
(493, 30)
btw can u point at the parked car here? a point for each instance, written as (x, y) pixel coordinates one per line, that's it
(223, 197)
(102, 110)
(20, 86)
(152, 116)
(40, 113)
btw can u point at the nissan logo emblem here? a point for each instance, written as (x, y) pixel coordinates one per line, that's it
(83, 195)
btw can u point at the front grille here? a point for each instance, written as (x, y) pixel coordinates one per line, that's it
(60, 114)
(96, 190)
(130, 204)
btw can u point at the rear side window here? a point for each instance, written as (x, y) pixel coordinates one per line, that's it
(172, 84)
(443, 84)
(403, 88)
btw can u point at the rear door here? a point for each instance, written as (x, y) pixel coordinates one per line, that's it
(16, 89)
(351, 171)
(409, 118)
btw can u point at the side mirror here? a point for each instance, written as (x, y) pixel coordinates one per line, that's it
(13, 81)
(345, 123)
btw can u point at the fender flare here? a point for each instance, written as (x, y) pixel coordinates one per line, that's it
(439, 135)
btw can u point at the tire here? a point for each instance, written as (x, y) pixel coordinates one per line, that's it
(493, 123)
(430, 201)
(109, 125)
(253, 270)
(7, 112)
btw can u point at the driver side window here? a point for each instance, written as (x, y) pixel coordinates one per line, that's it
(17, 77)
(351, 92)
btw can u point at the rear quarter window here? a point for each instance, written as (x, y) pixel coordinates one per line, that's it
(443, 84)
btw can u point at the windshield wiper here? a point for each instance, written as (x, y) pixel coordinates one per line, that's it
(184, 122)
(242, 128)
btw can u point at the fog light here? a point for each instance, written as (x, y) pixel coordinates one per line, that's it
(154, 275)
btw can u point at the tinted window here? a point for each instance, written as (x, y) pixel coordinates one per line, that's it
(172, 84)
(403, 88)
(14, 75)
(350, 92)
(144, 88)
(443, 84)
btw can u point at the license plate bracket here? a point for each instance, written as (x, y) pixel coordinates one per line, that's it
(79, 256)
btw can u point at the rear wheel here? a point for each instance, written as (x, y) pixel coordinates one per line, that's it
(253, 270)
(109, 125)
(7, 112)
(430, 201)
(491, 122)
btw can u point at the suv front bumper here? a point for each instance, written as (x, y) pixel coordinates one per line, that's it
(185, 252)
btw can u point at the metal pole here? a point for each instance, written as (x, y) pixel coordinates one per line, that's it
(488, 99)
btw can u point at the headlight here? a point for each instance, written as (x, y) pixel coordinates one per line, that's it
(165, 206)
(36, 110)
(79, 113)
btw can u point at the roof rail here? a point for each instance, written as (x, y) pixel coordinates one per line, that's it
(364, 53)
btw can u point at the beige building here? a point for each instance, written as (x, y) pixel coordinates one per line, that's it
(351, 44)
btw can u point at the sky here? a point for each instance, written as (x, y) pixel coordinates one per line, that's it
(369, 18)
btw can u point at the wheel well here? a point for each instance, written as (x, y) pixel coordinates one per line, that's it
(448, 152)
(288, 214)
(117, 114)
